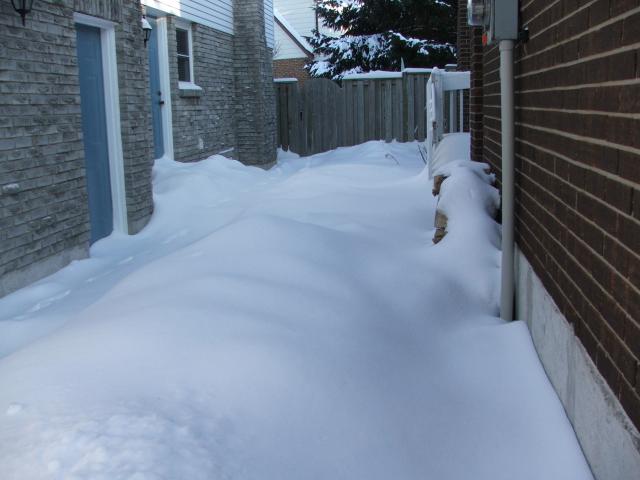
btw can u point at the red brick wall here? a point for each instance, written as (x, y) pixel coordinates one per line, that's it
(469, 53)
(291, 68)
(578, 171)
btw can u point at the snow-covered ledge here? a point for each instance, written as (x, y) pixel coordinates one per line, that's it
(189, 89)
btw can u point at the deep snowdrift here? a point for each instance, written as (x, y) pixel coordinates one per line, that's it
(291, 324)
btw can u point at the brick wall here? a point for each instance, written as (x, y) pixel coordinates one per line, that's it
(476, 94)
(463, 44)
(43, 201)
(44, 220)
(203, 120)
(255, 107)
(463, 55)
(469, 58)
(578, 171)
(291, 68)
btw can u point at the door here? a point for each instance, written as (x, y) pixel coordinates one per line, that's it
(94, 129)
(155, 91)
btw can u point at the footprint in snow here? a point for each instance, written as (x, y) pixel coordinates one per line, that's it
(125, 261)
(45, 303)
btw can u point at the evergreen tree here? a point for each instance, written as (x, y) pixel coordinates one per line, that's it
(382, 34)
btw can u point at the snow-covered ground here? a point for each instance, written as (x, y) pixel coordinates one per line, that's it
(290, 324)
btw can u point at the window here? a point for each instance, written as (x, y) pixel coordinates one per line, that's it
(185, 55)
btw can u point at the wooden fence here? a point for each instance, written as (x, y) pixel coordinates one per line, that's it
(321, 115)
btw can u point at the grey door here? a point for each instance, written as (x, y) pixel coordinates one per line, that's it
(156, 93)
(94, 129)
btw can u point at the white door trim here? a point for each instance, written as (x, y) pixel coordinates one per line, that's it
(112, 111)
(165, 86)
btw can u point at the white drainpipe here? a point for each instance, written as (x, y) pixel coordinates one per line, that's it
(508, 140)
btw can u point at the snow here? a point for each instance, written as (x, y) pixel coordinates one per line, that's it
(418, 70)
(188, 86)
(452, 147)
(371, 50)
(291, 323)
(285, 80)
(371, 75)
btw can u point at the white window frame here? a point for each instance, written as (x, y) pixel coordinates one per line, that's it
(165, 85)
(187, 26)
(112, 114)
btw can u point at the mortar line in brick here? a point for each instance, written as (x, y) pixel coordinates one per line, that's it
(495, 143)
(524, 7)
(593, 29)
(523, 225)
(578, 263)
(493, 118)
(588, 220)
(528, 4)
(612, 83)
(596, 170)
(627, 48)
(581, 138)
(632, 116)
(559, 288)
(486, 74)
(490, 61)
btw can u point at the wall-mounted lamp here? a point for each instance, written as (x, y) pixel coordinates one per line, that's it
(22, 7)
(146, 28)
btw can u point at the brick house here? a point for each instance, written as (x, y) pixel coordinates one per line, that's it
(294, 23)
(292, 50)
(86, 105)
(577, 213)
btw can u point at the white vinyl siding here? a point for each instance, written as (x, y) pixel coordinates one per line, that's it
(285, 47)
(299, 13)
(268, 22)
(217, 14)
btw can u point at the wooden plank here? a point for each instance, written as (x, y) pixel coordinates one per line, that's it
(401, 134)
(278, 116)
(350, 124)
(388, 110)
(301, 138)
(284, 131)
(308, 114)
(421, 107)
(360, 113)
(334, 98)
(396, 102)
(329, 121)
(292, 116)
(378, 111)
(409, 103)
(371, 111)
(339, 116)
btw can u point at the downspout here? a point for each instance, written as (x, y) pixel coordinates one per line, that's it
(508, 180)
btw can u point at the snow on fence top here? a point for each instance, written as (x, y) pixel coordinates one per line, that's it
(285, 80)
(418, 70)
(376, 74)
(382, 74)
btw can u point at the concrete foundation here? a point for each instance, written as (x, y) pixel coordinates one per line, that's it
(609, 440)
(16, 279)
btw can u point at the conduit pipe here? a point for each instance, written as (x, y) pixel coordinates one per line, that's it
(508, 188)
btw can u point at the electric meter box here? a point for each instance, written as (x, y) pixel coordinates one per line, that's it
(499, 18)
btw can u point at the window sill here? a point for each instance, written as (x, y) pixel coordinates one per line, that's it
(189, 90)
